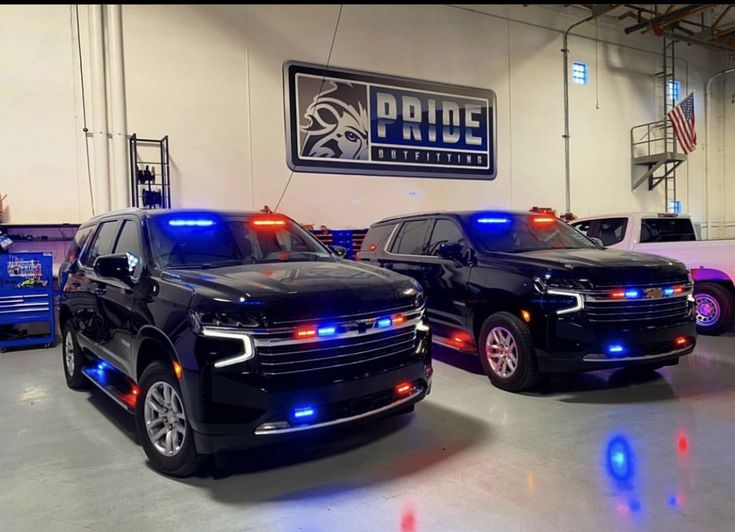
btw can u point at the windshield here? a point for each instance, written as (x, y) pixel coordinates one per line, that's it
(210, 240)
(516, 233)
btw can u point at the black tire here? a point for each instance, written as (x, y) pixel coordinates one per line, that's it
(186, 460)
(74, 377)
(525, 375)
(714, 307)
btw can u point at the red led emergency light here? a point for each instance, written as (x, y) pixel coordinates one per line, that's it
(404, 389)
(268, 221)
(305, 332)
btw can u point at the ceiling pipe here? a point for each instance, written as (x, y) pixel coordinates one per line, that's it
(99, 110)
(118, 110)
(596, 12)
(672, 16)
(707, 103)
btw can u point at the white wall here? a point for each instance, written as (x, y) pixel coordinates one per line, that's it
(39, 168)
(211, 78)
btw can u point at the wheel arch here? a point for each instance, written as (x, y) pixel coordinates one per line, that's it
(153, 345)
(713, 275)
(64, 316)
(497, 302)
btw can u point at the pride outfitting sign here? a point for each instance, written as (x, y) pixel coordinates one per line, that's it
(349, 122)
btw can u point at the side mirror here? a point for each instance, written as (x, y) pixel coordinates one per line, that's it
(600, 243)
(339, 251)
(452, 251)
(113, 267)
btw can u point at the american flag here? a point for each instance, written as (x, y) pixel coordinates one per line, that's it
(682, 119)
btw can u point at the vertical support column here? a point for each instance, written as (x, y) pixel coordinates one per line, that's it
(101, 187)
(119, 180)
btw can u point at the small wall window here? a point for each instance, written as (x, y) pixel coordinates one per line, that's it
(580, 73)
(673, 90)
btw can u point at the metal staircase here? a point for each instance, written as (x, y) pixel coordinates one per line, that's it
(653, 146)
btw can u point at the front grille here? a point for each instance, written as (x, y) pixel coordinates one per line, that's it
(390, 347)
(651, 308)
(672, 309)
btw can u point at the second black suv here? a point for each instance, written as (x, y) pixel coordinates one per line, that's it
(531, 294)
(222, 330)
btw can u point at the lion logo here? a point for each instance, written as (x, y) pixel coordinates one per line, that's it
(336, 124)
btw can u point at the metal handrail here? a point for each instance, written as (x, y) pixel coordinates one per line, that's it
(651, 128)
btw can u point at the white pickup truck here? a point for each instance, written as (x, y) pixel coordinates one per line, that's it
(711, 262)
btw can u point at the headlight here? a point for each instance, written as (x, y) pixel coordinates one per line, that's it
(223, 327)
(567, 302)
(231, 334)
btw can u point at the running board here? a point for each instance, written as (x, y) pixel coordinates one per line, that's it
(114, 384)
(448, 343)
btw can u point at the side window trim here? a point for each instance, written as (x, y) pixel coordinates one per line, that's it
(141, 246)
(391, 237)
(83, 247)
(94, 236)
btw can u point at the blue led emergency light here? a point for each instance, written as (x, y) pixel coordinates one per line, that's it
(326, 331)
(182, 222)
(493, 220)
(384, 322)
(615, 348)
(303, 412)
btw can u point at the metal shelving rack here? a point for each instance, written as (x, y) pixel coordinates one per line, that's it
(143, 153)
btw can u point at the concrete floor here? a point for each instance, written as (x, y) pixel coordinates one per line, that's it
(471, 458)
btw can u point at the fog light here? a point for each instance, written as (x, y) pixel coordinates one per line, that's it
(404, 389)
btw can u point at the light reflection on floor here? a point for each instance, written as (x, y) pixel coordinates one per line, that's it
(602, 451)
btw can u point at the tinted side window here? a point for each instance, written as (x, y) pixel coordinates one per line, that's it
(129, 242)
(611, 230)
(667, 230)
(583, 227)
(411, 239)
(78, 243)
(445, 232)
(101, 244)
(376, 237)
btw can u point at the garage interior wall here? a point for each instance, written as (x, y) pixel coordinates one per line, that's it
(210, 77)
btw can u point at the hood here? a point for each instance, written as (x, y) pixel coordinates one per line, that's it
(294, 291)
(592, 267)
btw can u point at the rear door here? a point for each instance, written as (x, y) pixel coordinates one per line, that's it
(90, 317)
(446, 281)
(406, 252)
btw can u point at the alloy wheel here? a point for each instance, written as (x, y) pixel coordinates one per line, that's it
(69, 353)
(501, 351)
(165, 420)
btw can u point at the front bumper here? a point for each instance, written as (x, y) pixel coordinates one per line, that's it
(573, 346)
(334, 404)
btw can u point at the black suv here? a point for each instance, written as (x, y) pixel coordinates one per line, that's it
(221, 330)
(531, 294)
